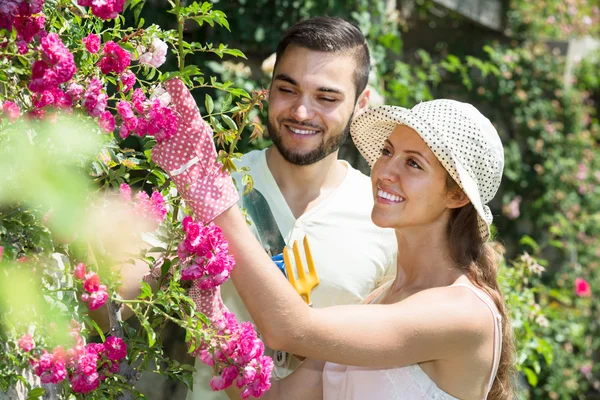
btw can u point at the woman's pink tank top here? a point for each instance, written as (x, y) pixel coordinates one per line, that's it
(342, 382)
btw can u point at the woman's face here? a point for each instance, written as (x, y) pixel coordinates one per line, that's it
(409, 184)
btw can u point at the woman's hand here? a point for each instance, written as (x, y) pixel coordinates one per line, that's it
(190, 159)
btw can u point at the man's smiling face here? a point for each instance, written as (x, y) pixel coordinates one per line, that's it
(311, 103)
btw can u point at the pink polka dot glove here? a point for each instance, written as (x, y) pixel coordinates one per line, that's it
(209, 303)
(190, 159)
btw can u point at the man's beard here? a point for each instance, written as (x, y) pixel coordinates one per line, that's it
(324, 149)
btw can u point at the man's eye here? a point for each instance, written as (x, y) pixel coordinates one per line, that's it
(329, 99)
(285, 90)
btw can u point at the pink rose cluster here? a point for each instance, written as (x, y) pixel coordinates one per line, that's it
(11, 111)
(153, 118)
(57, 66)
(86, 366)
(238, 356)
(114, 58)
(22, 15)
(26, 343)
(105, 9)
(144, 205)
(97, 294)
(205, 255)
(95, 101)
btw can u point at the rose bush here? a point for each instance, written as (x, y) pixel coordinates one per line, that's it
(69, 214)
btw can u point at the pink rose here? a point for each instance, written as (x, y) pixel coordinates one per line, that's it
(582, 288)
(92, 43)
(115, 348)
(114, 59)
(13, 112)
(107, 122)
(127, 80)
(79, 271)
(92, 282)
(98, 298)
(26, 343)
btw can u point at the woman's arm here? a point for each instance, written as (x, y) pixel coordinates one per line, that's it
(441, 323)
(132, 274)
(306, 382)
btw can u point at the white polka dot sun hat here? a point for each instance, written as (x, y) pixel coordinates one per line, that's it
(463, 140)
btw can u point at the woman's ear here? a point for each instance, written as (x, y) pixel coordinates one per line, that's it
(457, 199)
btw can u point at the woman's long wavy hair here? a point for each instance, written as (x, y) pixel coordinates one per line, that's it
(480, 262)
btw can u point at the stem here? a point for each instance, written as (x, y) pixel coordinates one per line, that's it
(237, 138)
(180, 22)
(60, 290)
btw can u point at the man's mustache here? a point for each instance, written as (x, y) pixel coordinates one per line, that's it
(304, 124)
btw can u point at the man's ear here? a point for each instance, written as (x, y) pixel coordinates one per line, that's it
(457, 199)
(269, 91)
(363, 102)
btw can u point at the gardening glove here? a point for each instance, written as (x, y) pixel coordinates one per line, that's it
(209, 303)
(190, 159)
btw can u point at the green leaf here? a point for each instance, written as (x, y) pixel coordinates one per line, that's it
(188, 367)
(192, 346)
(165, 267)
(231, 123)
(531, 376)
(226, 102)
(35, 393)
(151, 337)
(248, 183)
(151, 74)
(96, 327)
(209, 104)
(528, 241)
(233, 52)
(146, 291)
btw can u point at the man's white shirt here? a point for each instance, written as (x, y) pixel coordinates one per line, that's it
(351, 254)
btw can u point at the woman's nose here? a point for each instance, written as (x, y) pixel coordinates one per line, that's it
(388, 171)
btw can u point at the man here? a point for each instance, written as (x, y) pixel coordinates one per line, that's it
(319, 85)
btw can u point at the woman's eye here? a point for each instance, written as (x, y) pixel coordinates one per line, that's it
(413, 164)
(386, 152)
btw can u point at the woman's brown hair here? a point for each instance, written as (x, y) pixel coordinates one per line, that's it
(479, 260)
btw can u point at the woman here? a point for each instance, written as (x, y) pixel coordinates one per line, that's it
(439, 329)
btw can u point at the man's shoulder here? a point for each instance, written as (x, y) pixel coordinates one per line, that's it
(250, 159)
(251, 163)
(358, 182)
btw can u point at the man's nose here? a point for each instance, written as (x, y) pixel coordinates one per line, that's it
(303, 111)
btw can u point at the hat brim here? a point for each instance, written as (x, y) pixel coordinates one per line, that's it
(370, 130)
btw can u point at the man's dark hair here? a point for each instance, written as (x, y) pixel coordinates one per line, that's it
(331, 35)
